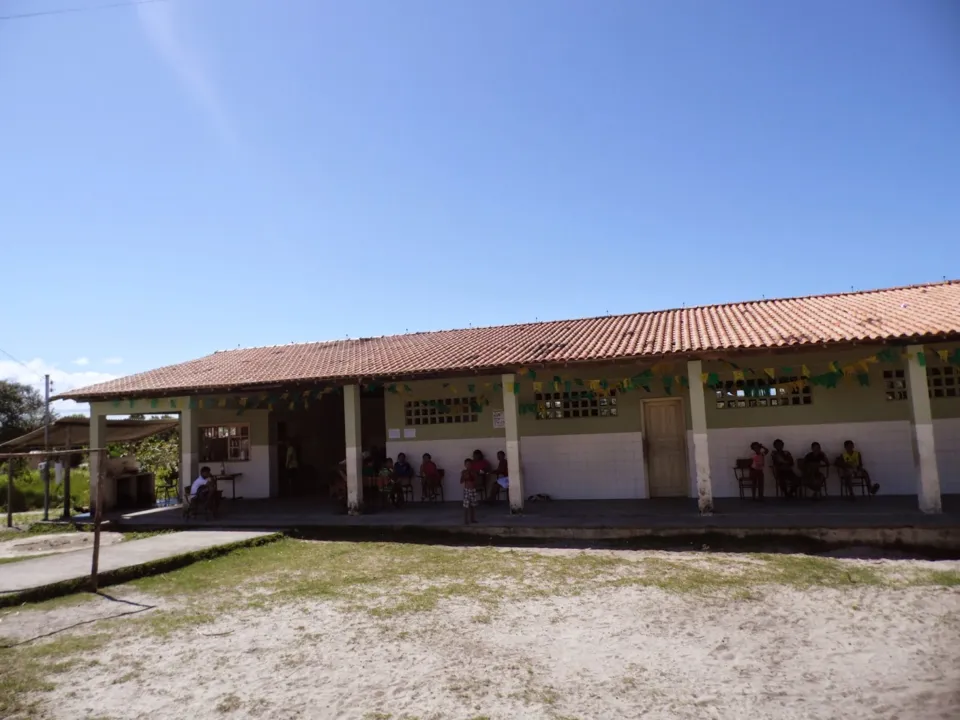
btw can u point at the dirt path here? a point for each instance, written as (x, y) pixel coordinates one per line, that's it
(620, 652)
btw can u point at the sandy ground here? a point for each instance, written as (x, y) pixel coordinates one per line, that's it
(46, 544)
(631, 652)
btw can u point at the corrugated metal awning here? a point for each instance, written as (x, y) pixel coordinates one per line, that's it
(78, 432)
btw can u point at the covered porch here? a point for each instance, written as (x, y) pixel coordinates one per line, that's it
(662, 513)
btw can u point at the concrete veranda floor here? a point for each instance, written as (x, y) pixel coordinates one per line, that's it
(666, 514)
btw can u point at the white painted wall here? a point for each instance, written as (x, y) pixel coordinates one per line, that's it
(886, 447)
(946, 434)
(255, 477)
(584, 467)
(448, 455)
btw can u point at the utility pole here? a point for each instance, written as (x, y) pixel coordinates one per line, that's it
(46, 447)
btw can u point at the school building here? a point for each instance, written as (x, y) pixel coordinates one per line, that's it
(653, 404)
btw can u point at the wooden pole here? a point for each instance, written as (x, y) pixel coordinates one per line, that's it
(66, 480)
(96, 522)
(9, 492)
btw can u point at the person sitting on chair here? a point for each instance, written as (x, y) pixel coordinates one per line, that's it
(403, 471)
(500, 476)
(811, 468)
(202, 492)
(851, 468)
(783, 472)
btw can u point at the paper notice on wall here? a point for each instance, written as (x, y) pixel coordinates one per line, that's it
(394, 433)
(498, 421)
(409, 432)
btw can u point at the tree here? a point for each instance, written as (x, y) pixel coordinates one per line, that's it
(21, 409)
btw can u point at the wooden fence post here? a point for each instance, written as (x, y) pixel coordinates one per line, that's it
(96, 522)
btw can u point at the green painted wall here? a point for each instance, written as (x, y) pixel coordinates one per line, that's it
(848, 402)
(945, 407)
(394, 404)
(629, 404)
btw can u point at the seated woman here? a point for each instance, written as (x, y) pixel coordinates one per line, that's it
(851, 469)
(786, 478)
(498, 477)
(812, 468)
(403, 471)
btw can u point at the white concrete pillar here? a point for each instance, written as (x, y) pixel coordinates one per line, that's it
(511, 419)
(189, 447)
(921, 427)
(98, 439)
(351, 419)
(701, 451)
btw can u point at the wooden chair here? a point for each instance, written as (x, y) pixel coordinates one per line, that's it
(406, 485)
(852, 478)
(435, 493)
(742, 473)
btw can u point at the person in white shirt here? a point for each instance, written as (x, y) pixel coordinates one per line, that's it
(200, 481)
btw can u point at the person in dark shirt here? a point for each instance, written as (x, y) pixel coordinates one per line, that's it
(783, 471)
(813, 468)
(403, 471)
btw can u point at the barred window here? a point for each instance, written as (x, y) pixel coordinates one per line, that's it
(894, 385)
(944, 382)
(441, 412)
(578, 404)
(763, 392)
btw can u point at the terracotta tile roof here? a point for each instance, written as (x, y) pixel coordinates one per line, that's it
(925, 311)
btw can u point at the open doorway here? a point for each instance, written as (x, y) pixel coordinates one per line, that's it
(310, 442)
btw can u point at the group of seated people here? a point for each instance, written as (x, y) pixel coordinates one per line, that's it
(812, 470)
(389, 481)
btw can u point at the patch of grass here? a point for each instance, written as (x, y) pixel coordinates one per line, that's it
(128, 536)
(228, 704)
(26, 671)
(942, 578)
(38, 528)
(420, 577)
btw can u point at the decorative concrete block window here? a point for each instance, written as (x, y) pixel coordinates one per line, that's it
(444, 411)
(579, 404)
(224, 443)
(895, 385)
(762, 392)
(944, 382)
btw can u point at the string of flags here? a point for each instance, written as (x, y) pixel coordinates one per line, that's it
(589, 388)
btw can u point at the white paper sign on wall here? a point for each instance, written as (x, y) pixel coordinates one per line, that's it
(498, 420)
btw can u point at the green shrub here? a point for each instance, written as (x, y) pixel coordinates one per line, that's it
(28, 490)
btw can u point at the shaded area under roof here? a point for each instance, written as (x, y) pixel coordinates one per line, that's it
(78, 429)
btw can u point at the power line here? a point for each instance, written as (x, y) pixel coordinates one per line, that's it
(20, 362)
(64, 11)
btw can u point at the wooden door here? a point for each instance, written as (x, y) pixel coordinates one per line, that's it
(665, 446)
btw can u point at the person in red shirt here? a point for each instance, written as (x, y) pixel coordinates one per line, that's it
(430, 475)
(481, 469)
(468, 478)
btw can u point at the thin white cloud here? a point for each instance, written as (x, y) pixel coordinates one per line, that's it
(62, 381)
(82, 361)
(160, 25)
(112, 361)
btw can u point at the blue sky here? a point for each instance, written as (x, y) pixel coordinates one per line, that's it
(194, 175)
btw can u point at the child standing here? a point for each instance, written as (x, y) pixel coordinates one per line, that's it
(468, 478)
(430, 476)
(757, 461)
